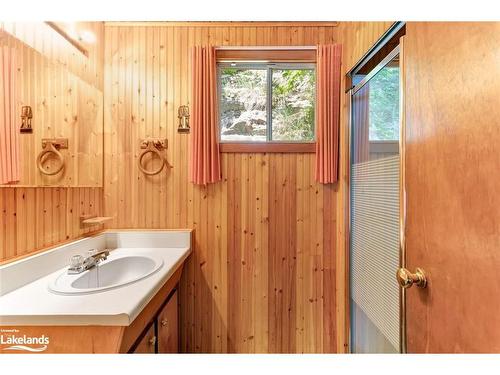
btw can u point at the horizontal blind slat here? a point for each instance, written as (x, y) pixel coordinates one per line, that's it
(375, 243)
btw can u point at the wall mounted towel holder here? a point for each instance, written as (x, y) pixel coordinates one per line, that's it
(52, 146)
(153, 146)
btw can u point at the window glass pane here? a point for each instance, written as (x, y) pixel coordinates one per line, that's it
(293, 98)
(384, 104)
(243, 104)
(375, 198)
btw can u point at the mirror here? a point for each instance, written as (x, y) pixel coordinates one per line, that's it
(60, 88)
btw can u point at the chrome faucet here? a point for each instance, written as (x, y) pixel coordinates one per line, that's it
(80, 264)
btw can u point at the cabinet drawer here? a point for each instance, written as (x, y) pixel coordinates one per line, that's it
(147, 343)
(168, 338)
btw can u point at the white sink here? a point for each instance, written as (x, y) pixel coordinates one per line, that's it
(114, 272)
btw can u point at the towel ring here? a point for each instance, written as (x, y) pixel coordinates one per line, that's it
(153, 149)
(49, 148)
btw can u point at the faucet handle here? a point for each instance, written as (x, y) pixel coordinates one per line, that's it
(76, 264)
(99, 256)
(76, 261)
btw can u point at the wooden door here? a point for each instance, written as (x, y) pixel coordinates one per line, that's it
(452, 117)
(168, 338)
(147, 345)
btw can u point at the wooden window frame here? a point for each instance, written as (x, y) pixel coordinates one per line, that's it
(267, 58)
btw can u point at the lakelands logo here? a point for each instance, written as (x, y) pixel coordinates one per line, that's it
(17, 342)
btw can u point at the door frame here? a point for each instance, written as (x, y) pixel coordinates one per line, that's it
(398, 50)
(402, 194)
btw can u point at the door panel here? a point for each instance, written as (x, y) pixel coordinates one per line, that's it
(147, 343)
(168, 338)
(374, 210)
(453, 185)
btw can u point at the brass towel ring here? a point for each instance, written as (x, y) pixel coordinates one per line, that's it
(151, 148)
(49, 148)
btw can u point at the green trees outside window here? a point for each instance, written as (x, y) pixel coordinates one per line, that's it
(384, 105)
(261, 102)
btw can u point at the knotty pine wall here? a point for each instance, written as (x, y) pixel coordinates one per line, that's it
(262, 274)
(64, 106)
(216, 298)
(33, 218)
(46, 41)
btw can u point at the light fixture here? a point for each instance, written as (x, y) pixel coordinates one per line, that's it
(183, 116)
(26, 116)
(87, 36)
(84, 36)
(75, 37)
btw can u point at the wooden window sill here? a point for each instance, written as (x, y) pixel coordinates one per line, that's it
(268, 147)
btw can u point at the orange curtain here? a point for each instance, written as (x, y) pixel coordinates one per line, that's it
(328, 58)
(9, 137)
(205, 157)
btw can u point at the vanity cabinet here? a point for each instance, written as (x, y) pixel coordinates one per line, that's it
(167, 324)
(148, 342)
(120, 320)
(162, 334)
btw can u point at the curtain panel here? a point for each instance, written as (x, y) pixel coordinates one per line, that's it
(204, 151)
(9, 136)
(328, 65)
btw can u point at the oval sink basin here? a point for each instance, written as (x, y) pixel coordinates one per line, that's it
(112, 273)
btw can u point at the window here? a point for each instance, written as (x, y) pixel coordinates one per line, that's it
(376, 112)
(263, 102)
(384, 104)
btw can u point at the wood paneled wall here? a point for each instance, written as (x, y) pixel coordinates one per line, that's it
(46, 41)
(66, 99)
(262, 275)
(35, 218)
(357, 38)
(267, 273)
(32, 218)
(64, 106)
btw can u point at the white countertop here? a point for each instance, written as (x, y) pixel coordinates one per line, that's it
(34, 304)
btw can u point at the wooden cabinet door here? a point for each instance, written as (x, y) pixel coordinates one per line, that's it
(147, 344)
(168, 339)
(452, 184)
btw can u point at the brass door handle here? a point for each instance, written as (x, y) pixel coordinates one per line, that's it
(152, 340)
(406, 279)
